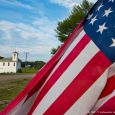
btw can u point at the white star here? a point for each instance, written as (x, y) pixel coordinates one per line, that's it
(101, 28)
(89, 16)
(93, 20)
(100, 7)
(113, 44)
(111, 0)
(107, 12)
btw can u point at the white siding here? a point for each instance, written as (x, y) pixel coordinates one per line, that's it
(10, 68)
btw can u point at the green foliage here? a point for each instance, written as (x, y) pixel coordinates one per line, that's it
(1, 57)
(35, 65)
(54, 50)
(65, 27)
(19, 71)
(31, 67)
(27, 70)
(39, 64)
(27, 63)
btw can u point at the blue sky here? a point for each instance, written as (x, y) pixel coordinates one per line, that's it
(28, 26)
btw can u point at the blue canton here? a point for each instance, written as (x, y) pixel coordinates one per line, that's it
(99, 24)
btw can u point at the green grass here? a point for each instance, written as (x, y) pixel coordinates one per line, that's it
(28, 70)
(9, 89)
(22, 71)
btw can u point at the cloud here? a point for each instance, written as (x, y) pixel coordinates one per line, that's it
(66, 3)
(69, 3)
(37, 38)
(18, 4)
(93, 1)
(40, 29)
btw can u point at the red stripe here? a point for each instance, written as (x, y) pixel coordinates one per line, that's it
(91, 72)
(110, 86)
(108, 108)
(42, 73)
(63, 66)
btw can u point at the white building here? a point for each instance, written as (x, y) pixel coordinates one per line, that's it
(10, 65)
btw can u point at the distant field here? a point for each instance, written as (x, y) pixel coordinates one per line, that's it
(29, 70)
(10, 86)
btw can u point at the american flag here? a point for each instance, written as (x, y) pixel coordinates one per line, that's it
(80, 78)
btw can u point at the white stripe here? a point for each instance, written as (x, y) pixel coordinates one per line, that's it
(84, 104)
(23, 109)
(111, 70)
(98, 103)
(18, 106)
(102, 101)
(84, 57)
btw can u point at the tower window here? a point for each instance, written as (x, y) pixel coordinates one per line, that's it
(14, 63)
(3, 64)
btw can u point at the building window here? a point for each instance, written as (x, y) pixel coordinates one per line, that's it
(8, 64)
(14, 63)
(3, 64)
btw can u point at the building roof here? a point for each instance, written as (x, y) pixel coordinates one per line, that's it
(8, 60)
(15, 52)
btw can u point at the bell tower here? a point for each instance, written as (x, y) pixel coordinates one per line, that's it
(15, 56)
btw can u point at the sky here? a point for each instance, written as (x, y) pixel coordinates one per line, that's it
(29, 26)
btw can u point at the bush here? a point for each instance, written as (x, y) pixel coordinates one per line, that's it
(19, 71)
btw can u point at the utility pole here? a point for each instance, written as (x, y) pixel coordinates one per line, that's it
(26, 54)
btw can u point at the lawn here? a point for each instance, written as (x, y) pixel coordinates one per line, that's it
(10, 88)
(29, 70)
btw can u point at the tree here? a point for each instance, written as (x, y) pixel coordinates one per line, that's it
(54, 50)
(1, 57)
(65, 27)
(27, 63)
(39, 64)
